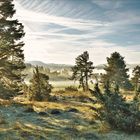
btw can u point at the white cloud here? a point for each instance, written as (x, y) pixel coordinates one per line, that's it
(66, 53)
(57, 39)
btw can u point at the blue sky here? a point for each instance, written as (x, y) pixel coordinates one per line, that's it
(57, 31)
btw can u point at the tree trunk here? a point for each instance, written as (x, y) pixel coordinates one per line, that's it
(87, 87)
(83, 86)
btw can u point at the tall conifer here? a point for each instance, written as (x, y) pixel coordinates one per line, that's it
(11, 53)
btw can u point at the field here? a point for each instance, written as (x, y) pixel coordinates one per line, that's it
(69, 116)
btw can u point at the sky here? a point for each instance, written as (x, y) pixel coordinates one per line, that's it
(57, 31)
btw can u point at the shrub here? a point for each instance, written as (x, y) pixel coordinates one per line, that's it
(39, 88)
(71, 88)
(115, 110)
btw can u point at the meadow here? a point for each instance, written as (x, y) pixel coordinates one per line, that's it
(69, 116)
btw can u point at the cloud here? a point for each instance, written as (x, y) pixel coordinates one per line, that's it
(66, 53)
(107, 4)
(59, 31)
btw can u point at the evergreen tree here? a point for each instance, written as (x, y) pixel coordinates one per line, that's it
(82, 70)
(116, 110)
(107, 88)
(11, 53)
(39, 87)
(116, 72)
(136, 80)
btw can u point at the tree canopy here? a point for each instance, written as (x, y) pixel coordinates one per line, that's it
(11, 52)
(136, 78)
(116, 71)
(82, 70)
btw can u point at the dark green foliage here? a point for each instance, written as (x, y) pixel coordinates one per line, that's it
(5, 93)
(82, 70)
(39, 88)
(7, 8)
(136, 78)
(116, 72)
(115, 110)
(11, 53)
(107, 88)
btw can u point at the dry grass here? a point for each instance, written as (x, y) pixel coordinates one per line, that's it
(5, 102)
(17, 123)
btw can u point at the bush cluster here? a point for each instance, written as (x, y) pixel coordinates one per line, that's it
(71, 88)
(116, 111)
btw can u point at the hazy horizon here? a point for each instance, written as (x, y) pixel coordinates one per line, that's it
(58, 31)
(74, 63)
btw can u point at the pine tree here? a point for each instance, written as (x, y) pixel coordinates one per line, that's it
(116, 72)
(136, 78)
(107, 88)
(39, 87)
(116, 110)
(82, 70)
(136, 82)
(11, 53)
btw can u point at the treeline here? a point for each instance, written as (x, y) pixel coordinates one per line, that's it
(83, 71)
(55, 75)
(116, 73)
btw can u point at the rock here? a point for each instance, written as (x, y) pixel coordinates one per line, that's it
(73, 110)
(55, 112)
(43, 113)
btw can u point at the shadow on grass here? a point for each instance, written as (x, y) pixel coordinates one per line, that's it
(25, 125)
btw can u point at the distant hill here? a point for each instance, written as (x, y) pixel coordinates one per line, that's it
(51, 66)
(101, 66)
(61, 72)
(130, 66)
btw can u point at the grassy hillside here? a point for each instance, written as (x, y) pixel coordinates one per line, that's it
(70, 117)
(51, 66)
